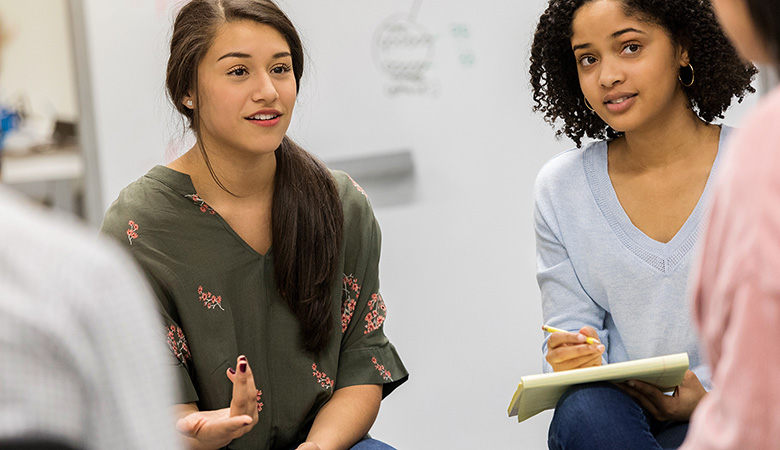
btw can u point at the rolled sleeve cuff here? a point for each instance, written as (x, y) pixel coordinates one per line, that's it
(373, 365)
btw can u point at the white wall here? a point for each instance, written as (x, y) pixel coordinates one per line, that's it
(122, 49)
(458, 257)
(37, 58)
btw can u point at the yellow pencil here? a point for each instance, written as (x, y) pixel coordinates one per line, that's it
(550, 329)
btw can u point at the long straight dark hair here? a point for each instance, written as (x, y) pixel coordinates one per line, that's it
(307, 220)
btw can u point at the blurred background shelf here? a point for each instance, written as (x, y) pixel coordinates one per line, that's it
(53, 177)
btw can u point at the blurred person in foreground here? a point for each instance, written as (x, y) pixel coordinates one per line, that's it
(81, 363)
(736, 293)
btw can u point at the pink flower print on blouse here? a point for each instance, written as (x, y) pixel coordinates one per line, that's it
(357, 186)
(376, 313)
(209, 300)
(132, 231)
(178, 344)
(322, 378)
(382, 371)
(350, 294)
(259, 403)
(200, 203)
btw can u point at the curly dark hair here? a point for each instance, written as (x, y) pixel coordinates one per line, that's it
(720, 73)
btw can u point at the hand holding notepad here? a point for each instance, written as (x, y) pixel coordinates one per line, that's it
(536, 393)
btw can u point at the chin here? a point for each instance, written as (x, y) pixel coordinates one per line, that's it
(623, 124)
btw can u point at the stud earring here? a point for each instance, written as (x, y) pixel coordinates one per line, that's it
(189, 103)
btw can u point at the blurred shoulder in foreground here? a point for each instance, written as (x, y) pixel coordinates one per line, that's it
(81, 359)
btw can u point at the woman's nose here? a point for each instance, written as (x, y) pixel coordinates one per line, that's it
(611, 72)
(264, 89)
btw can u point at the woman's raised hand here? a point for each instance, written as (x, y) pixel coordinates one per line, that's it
(208, 430)
(566, 351)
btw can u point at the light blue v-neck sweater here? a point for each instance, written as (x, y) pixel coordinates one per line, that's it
(594, 267)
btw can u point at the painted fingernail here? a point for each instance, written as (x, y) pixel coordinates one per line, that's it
(242, 358)
(232, 372)
(242, 367)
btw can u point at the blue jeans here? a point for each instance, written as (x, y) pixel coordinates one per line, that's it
(371, 444)
(602, 416)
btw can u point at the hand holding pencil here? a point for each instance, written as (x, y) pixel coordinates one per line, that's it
(573, 350)
(589, 340)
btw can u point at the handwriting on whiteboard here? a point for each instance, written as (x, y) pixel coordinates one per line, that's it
(403, 49)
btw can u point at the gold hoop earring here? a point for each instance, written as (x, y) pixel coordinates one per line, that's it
(692, 77)
(588, 104)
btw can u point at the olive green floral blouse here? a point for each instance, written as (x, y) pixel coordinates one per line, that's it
(218, 300)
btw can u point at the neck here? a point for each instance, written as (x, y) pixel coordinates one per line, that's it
(673, 138)
(247, 178)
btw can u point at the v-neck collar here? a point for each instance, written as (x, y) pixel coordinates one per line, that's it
(659, 255)
(181, 183)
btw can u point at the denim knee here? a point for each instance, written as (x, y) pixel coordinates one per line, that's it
(599, 415)
(371, 444)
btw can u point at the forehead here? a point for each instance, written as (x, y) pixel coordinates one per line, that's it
(248, 37)
(601, 19)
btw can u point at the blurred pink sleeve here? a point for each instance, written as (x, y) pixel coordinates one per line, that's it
(736, 293)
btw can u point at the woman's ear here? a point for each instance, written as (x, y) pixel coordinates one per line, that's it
(684, 59)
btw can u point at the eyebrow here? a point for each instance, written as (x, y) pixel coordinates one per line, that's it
(613, 36)
(246, 55)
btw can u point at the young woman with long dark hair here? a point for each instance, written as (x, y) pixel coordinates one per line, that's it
(256, 251)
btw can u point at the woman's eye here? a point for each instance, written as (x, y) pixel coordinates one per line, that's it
(281, 69)
(587, 60)
(238, 71)
(631, 48)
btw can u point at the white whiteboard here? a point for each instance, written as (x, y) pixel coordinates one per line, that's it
(445, 80)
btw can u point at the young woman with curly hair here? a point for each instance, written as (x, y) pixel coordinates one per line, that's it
(617, 220)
